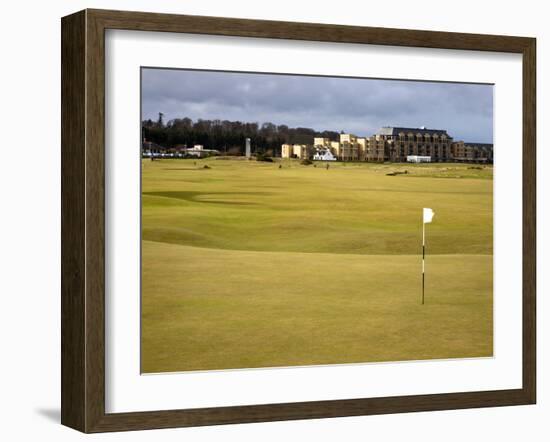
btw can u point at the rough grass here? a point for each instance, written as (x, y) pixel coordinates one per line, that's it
(249, 265)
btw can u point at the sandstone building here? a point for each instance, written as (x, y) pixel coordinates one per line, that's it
(395, 144)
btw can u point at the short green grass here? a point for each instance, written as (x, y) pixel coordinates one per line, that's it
(249, 264)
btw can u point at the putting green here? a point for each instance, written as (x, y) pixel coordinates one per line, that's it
(247, 264)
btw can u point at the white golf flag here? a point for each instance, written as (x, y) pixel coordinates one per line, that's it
(428, 215)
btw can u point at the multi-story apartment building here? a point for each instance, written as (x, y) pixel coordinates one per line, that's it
(403, 141)
(321, 143)
(349, 148)
(484, 151)
(375, 150)
(472, 152)
(301, 151)
(395, 144)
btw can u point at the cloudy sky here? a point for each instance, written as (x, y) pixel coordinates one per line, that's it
(358, 106)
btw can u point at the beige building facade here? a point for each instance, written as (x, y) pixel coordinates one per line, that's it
(301, 151)
(395, 144)
(472, 152)
(403, 141)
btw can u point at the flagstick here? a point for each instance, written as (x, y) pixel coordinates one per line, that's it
(423, 254)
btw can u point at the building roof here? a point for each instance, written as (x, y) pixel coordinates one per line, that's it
(394, 131)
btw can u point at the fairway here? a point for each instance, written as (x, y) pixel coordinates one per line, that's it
(254, 264)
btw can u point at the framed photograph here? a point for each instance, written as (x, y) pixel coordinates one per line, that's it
(268, 221)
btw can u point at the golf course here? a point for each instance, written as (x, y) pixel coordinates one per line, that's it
(251, 264)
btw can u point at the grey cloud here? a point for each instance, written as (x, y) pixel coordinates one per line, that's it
(359, 106)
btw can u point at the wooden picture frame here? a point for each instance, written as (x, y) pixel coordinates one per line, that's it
(83, 220)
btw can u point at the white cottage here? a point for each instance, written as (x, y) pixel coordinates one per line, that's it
(418, 159)
(324, 155)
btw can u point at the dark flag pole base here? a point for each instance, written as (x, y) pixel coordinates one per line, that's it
(422, 288)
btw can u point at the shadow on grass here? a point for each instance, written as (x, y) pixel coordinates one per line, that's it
(183, 168)
(197, 197)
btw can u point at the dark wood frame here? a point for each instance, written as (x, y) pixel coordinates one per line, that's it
(83, 216)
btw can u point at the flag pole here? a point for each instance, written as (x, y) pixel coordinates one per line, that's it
(423, 255)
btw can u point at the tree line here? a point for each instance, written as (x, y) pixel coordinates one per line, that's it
(228, 136)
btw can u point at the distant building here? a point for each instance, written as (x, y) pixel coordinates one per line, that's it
(301, 151)
(350, 147)
(418, 159)
(287, 151)
(483, 152)
(152, 150)
(199, 151)
(401, 142)
(396, 144)
(324, 155)
(472, 152)
(320, 143)
(375, 150)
